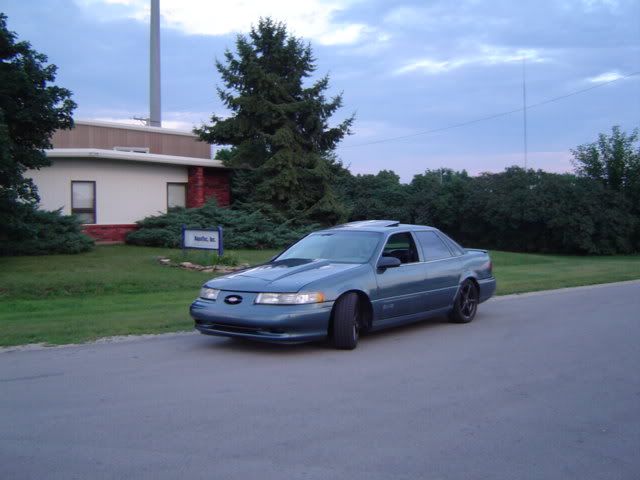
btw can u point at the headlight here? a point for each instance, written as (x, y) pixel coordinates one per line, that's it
(209, 293)
(290, 298)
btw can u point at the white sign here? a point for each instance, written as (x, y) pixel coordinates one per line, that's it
(203, 239)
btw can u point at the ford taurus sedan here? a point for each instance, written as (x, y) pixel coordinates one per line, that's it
(343, 281)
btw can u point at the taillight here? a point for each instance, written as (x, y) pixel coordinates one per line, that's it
(488, 267)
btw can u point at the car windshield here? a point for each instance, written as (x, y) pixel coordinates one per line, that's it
(337, 246)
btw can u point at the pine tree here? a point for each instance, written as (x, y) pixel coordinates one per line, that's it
(279, 128)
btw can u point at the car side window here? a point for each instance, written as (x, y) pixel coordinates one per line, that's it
(401, 246)
(453, 246)
(433, 248)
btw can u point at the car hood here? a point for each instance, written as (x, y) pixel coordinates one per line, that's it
(280, 276)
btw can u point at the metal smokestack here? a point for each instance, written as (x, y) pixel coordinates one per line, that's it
(155, 116)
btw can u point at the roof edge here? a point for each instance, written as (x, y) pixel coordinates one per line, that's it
(133, 156)
(142, 128)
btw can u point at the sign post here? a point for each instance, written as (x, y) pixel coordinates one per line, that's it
(202, 239)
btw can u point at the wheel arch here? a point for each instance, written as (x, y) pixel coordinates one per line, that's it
(463, 278)
(364, 304)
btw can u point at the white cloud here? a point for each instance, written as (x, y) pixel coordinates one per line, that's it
(486, 55)
(428, 66)
(311, 19)
(606, 77)
(347, 34)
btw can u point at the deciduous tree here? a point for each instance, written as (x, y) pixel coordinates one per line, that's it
(31, 109)
(614, 160)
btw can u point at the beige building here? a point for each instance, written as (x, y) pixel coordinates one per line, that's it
(112, 175)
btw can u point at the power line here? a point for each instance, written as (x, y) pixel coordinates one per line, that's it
(491, 117)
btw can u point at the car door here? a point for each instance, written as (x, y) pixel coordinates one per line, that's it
(400, 289)
(442, 269)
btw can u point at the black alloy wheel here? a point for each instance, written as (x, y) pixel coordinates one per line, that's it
(466, 304)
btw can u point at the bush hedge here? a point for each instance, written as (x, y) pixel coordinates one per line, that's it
(516, 210)
(245, 226)
(41, 232)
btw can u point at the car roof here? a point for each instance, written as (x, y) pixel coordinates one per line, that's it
(383, 226)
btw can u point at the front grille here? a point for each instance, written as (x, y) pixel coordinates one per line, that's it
(236, 329)
(228, 328)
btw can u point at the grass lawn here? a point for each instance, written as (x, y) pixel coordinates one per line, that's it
(526, 272)
(120, 289)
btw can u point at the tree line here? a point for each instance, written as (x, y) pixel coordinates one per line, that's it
(287, 180)
(282, 150)
(516, 210)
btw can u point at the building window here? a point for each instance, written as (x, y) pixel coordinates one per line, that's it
(176, 195)
(83, 201)
(132, 149)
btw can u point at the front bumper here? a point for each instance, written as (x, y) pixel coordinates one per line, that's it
(267, 323)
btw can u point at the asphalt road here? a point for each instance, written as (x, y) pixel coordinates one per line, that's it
(538, 387)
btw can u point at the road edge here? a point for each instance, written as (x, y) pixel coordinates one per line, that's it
(150, 336)
(562, 290)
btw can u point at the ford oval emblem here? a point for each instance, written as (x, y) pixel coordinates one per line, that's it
(233, 299)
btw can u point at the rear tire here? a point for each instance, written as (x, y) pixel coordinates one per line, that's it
(466, 303)
(346, 322)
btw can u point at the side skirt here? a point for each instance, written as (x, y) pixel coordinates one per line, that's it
(406, 319)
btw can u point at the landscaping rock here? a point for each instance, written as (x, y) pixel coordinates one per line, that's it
(202, 268)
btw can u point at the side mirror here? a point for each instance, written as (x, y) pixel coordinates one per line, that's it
(388, 262)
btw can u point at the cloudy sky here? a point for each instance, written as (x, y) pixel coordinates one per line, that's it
(405, 68)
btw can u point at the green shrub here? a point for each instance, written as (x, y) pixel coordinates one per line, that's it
(40, 232)
(245, 226)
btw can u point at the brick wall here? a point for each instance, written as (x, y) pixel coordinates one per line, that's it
(205, 183)
(195, 187)
(109, 233)
(216, 184)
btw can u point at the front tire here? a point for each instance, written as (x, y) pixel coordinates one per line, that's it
(346, 322)
(466, 303)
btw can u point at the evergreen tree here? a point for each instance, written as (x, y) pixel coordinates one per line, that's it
(279, 127)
